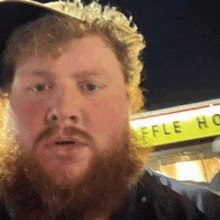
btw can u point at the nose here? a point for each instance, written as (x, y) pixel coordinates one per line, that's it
(54, 116)
(65, 105)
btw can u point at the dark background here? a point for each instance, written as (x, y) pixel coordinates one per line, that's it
(182, 58)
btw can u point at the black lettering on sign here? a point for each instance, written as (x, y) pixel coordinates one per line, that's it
(176, 127)
(216, 119)
(154, 130)
(165, 131)
(202, 122)
(144, 131)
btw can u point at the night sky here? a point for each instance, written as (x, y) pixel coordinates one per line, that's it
(182, 58)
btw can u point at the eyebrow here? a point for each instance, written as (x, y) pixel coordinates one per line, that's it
(76, 74)
(41, 73)
(86, 73)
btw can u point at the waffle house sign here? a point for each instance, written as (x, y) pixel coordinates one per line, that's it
(178, 126)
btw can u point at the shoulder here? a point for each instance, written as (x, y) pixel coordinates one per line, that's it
(205, 199)
(215, 183)
(164, 202)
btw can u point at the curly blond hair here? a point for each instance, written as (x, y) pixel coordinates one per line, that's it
(46, 35)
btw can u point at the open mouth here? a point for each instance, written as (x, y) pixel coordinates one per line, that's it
(64, 142)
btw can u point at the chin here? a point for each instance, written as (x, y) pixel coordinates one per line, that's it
(68, 169)
(69, 175)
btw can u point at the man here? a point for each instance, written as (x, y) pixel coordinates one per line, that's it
(70, 78)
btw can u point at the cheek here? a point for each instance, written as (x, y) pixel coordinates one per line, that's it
(28, 117)
(109, 119)
(33, 110)
(30, 112)
(110, 113)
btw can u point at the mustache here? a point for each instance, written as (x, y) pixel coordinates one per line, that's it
(71, 131)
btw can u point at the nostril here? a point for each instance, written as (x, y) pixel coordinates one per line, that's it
(72, 117)
(54, 118)
(53, 115)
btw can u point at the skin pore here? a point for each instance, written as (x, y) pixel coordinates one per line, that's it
(81, 94)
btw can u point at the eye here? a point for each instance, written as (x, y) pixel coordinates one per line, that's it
(41, 87)
(90, 87)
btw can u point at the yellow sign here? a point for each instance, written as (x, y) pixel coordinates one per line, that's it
(181, 126)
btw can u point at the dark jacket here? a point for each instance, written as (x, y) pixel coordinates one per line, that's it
(205, 199)
(159, 197)
(215, 183)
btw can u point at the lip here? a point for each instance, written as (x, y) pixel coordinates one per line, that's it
(66, 150)
(77, 141)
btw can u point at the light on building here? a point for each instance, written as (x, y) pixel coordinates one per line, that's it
(189, 170)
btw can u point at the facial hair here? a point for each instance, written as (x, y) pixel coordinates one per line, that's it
(31, 193)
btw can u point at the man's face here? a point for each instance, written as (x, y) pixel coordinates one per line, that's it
(78, 97)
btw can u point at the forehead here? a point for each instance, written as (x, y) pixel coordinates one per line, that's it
(83, 54)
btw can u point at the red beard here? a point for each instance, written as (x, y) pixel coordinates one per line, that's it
(32, 193)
